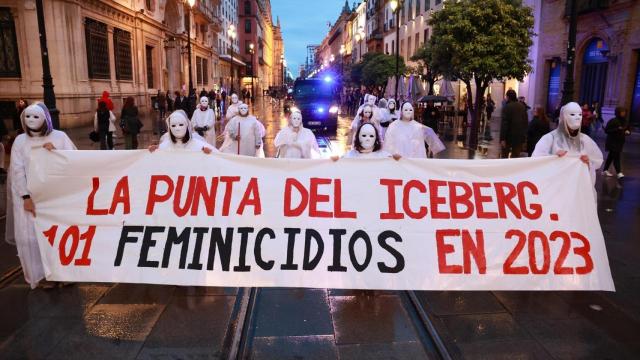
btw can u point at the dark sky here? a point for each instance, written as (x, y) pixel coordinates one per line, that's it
(304, 22)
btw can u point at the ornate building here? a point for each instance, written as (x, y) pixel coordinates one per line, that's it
(129, 48)
(606, 69)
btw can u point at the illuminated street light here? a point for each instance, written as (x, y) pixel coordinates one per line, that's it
(232, 35)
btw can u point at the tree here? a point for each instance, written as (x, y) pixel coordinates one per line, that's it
(480, 41)
(423, 56)
(375, 69)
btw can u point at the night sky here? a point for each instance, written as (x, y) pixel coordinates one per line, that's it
(304, 22)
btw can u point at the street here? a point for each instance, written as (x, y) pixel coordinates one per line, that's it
(134, 321)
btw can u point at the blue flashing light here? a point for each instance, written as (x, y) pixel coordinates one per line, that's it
(321, 110)
(328, 79)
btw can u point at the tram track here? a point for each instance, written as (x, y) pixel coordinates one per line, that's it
(239, 339)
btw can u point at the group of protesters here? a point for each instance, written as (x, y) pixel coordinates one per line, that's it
(381, 128)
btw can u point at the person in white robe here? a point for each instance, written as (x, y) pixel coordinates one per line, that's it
(367, 144)
(38, 132)
(295, 141)
(181, 136)
(233, 109)
(384, 117)
(243, 134)
(203, 121)
(567, 139)
(365, 115)
(407, 136)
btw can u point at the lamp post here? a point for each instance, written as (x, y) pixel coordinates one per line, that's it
(282, 68)
(192, 90)
(47, 80)
(342, 51)
(252, 51)
(232, 35)
(395, 8)
(567, 91)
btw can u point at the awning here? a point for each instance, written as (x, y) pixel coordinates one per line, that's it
(236, 60)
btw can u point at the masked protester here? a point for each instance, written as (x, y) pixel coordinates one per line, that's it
(568, 140)
(203, 121)
(38, 132)
(181, 136)
(295, 141)
(367, 143)
(366, 114)
(407, 137)
(243, 134)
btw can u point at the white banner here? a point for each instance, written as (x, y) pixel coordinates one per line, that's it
(218, 220)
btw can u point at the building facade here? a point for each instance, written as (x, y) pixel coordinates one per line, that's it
(606, 69)
(229, 45)
(128, 48)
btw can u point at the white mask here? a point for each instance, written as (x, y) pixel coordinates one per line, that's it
(371, 100)
(296, 119)
(572, 115)
(407, 112)
(34, 117)
(204, 102)
(178, 126)
(243, 109)
(367, 137)
(234, 98)
(392, 105)
(366, 113)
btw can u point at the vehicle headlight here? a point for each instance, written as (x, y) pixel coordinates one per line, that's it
(333, 110)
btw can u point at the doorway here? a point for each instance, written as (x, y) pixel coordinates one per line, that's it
(594, 72)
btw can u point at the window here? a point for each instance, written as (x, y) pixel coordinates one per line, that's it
(393, 47)
(408, 48)
(122, 52)
(97, 49)
(386, 48)
(438, 2)
(247, 26)
(150, 5)
(427, 4)
(426, 35)
(417, 43)
(417, 7)
(401, 46)
(247, 7)
(9, 60)
(149, 56)
(202, 73)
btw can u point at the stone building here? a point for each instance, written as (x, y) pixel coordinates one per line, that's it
(229, 47)
(127, 47)
(607, 51)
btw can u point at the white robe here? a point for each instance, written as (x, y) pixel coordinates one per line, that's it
(250, 136)
(194, 144)
(22, 222)
(202, 119)
(232, 111)
(549, 144)
(407, 138)
(371, 155)
(296, 145)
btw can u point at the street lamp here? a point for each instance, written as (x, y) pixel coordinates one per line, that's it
(282, 65)
(251, 51)
(232, 35)
(342, 51)
(395, 7)
(192, 90)
(47, 80)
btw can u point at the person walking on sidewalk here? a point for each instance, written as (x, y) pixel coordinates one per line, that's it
(162, 110)
(130, 124)
(617, 130)
(104, 125)
(587, 119)
(538, 127)
(513, 131)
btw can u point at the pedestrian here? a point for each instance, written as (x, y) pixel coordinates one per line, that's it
(617, 130)
(162, 111)
(367, 144)
(587, 119)
(169, 102)
(104, 124)
(567, 139)
(20, 106)
(513, 131)
(38, 132)
(232, 109)
(490, 107)
(295, 141)
(107, 100)
(597, 116)
(181, 136)
(181, 102)
(406, 137)
(243, 134)
(538, 127)
(130, 124)
(431, 116)
(203, 121)
(365, 115)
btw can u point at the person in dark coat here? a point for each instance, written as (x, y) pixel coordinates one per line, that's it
(617, 129)
(17, 123)
(181, 102)
(538, 127)
(169, 102)
(431, 116)
(130, 123)
(103, 124)
(513, 131)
